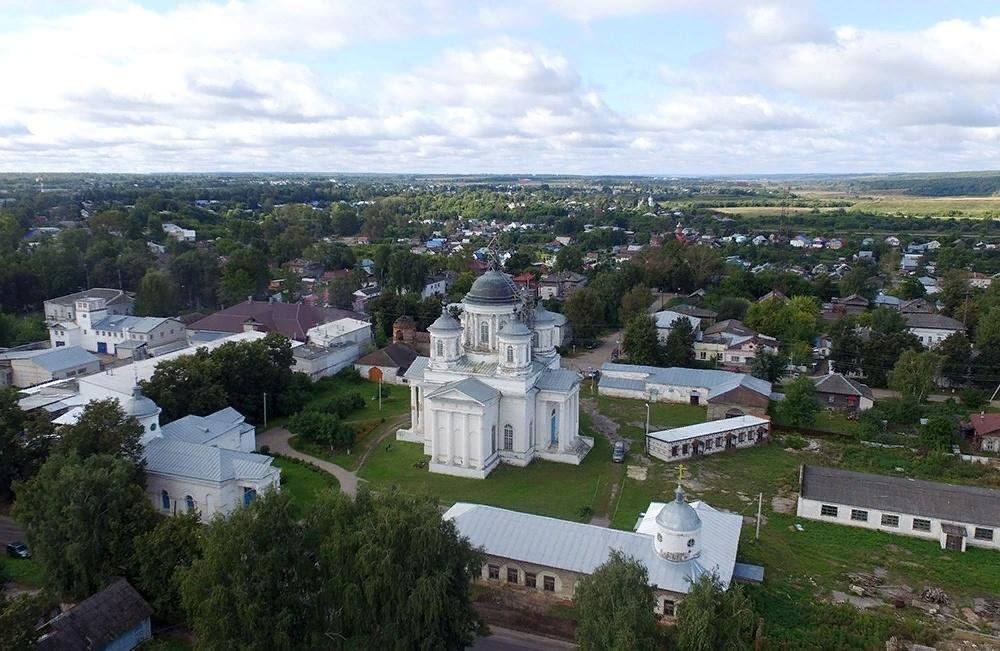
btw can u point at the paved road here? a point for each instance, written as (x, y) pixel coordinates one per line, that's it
(277, 440)
(502, 639)
(10, 531)
(593, 359)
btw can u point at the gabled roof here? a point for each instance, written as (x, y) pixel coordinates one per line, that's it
(730, 327)
(967, 504)
(202, 429)
(559, 379)
(775, 294)
(394, 355)
(717, 383)
(169, 456)
(290, 319)
(933, 322)
(582, 548)
(471, 388)
(97, 620)
(985, 423)
(917, 305)
(838, 384)
(54, 359)
(111, 296)
(122, 323)
(691, 310)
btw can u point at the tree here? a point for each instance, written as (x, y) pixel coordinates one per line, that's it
(321, 428)
(732, 307)
(882, 350)
(768, 366)
(185, 385)
(956, 358)
(584, 311)
(914, 373)
(954, 289)
(799, 408)
(988, 329)
(517, 262)
(158, 555)
(634, 302)
(196, 273)
(569, 258)
(857, 281)
(616, 605)
(712, 617)
(81, 516)
(641, 341)
(19, 620)
(846, 347)
(791, 321)
(157, 295)
(910, 288)
(103, 428)
(938, 434)
(678, 349)
(24, 441)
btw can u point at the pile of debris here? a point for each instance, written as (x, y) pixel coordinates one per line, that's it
(864, 584)
(934, 596)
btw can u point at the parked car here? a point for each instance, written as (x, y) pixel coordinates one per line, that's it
(18, 550)
(618, 452)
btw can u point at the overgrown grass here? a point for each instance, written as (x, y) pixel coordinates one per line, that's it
(26, 572)
(554, 489)
(302, 481)
(395, 398)
(365, 432)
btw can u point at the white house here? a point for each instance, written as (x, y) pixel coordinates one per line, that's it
(63, 308)
(436, 285)
(932, 329)
(492, 389)
(332, 347)
(665, 321)
(30, 367)
(677, 542)
(179, 234)
(953, 515)
(714, 436)
(95, 329)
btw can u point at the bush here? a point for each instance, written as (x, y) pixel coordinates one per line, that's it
(321, 428)
(973, 398)
(341, 405)
(348, 373)
(795, 442)
(265, 449)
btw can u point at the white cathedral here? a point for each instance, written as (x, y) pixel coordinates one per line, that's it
(492, 389)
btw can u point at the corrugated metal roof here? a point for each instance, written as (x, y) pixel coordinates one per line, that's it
(583, 548)
(202, 429)
(417, 368)
(54, 359)
(170, 456)
(121, 322)
(715, 382)
(560, 379)
(471, 387)
(705, 429)
(970, 504)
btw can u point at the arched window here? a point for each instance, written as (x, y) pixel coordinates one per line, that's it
(493, 439)
(189, 502)
(508, 437)
(440, 348)
(554, 428)
(165, 500)
(484, 333)
(510, 354)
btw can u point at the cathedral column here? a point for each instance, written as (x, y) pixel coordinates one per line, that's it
(432, 431)
(467, 427)
(479, 442)
(414, 413)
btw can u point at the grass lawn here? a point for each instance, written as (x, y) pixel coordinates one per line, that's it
(543, 487)
(368, 431)
(395, 398)
(26, 572)
(302, 481)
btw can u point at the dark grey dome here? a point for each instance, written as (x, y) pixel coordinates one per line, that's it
(492, 288)
(444, 322)
(678, 515)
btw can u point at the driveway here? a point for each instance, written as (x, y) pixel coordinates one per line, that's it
(502, 639)
(10, 531)
(277, 440)
(594, 359)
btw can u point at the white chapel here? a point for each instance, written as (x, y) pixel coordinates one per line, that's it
(492, 389)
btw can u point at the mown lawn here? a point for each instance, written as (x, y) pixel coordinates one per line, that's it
(395, 398)
(302, 482)
(543, 487)
(23, 571)
(366, 431)
(662, 415)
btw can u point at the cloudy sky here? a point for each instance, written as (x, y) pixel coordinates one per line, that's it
(544, 86)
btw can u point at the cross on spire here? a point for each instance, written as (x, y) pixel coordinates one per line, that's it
(680, 472)
(493, 253)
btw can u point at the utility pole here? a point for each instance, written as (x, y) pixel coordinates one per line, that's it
(380, 392)
(760, 500)
(265, 410)
(647, 429)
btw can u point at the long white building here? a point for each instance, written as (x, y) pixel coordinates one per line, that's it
(955, 516)
(714, 436)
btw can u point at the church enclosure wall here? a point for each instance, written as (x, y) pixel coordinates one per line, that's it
(389, 373)
(813, 510)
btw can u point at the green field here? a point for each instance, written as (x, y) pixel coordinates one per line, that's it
(974, 207)
(302, 482)
(395, 398)
(553, 489)
(24, 572)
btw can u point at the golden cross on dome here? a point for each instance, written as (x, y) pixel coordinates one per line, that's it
(680, 472)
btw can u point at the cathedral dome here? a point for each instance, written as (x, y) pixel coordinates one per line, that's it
(444, 322)
(543, 316)
(678, 515)
(140, 406)
(492, 288)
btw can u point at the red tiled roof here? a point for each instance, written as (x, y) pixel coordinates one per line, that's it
(290, 319)
(985, 423)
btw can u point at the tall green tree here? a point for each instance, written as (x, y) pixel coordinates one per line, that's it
(914, 374)
(768, 366)
(616, 605)
(585, 312)
(157, 295)
(103, 428)
(24, 441)
(569, 258)
(634, 302)
(956, 358)
(678, 349)
(938, 434)
(641, 341)
(799, 408)
(19, 617)
(954, 289)
(159, 555)
(712, 617)
(81, 515)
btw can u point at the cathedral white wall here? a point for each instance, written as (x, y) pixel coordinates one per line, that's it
(210, 498)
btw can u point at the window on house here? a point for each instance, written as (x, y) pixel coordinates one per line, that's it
(249, 495)
(668, 607)
(508, 437)
(708, 444)
(673, 451)
(493, 572)
(828, 510)
(982, 533)
(549, 583)
(165, 500)
(890, 520)
(743, 437)
(189, 502)
(919, 524)
(684, 448)
(859, 515)
(484, 333)
(718, 441)
(510, 354)
(529, 580)
(440, 348)
(512, 575)
(703, 354)
(493, 439)
(829, 398)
